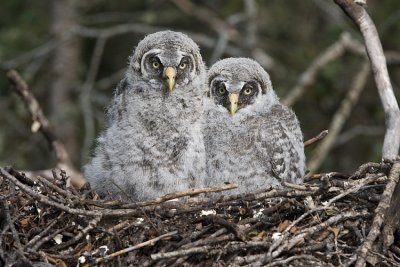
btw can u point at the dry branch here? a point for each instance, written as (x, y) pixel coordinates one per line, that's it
(340, 118)
(317, 138)
(373, 45)
(307, 78)
(379, 215)
(391, 143)
(39, 121)
(150, 242)
(190, 192)
(125, 236)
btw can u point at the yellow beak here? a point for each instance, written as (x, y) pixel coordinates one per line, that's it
(170, 72)
(233, 99)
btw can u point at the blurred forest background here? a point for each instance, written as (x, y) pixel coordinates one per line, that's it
(73, 53)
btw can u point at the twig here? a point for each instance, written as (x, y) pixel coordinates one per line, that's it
(210, 250)
(379, 215)
(36, 238)
(190, 192)
(40, 122)
(309, 231)
(107, 212)
(82, 233)
(14, 232)
(358, 14)
(340, 117)
(350, 190)
(59, 190)
(184, 252)
(45, 239)
(231, 227)
(284, 262)
(211, 240)
(315, 139)
(150, 242)
(329, 174)
(323, 224)
(271, 194)
(308, 77)
(369, 167)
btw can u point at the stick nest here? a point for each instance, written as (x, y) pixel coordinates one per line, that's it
(320, 223)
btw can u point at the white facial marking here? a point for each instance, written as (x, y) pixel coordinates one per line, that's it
(238, 85)
(152, 51)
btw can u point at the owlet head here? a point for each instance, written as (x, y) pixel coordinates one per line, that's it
(170, 58)
(236, 83)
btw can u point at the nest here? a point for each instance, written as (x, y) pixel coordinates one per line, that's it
(323, 222)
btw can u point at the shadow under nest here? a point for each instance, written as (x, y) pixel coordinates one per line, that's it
(320, 223)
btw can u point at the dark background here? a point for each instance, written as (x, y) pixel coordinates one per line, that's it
(73, 53)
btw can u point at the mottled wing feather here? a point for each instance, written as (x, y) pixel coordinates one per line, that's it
(282, 145)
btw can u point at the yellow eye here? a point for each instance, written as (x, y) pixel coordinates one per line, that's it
(156, 64)
(248, 91)
(221, 90)
(182, 66)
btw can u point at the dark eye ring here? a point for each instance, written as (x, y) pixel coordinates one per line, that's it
(248, 91)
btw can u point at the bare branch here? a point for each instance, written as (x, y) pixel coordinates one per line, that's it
(150, 242)
(308, 77)
(39, 121)
(380, 212)
(358, 14)
(340, 117)
(190, 192)
(315, 139)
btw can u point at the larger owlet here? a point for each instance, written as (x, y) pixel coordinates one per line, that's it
(153, 143)
(250, 138)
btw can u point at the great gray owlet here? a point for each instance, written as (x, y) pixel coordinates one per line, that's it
(153, 144)
(250, 138)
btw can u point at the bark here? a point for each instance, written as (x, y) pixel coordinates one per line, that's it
(357, 13)
(387, 215)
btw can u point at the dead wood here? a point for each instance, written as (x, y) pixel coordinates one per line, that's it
(389, 205)
(320, 223)
(377, 59)
(41, 123)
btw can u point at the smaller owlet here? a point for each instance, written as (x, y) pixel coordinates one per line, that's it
(153, 143)
(250, 138)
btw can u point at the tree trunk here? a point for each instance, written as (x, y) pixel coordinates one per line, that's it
(64, 73)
